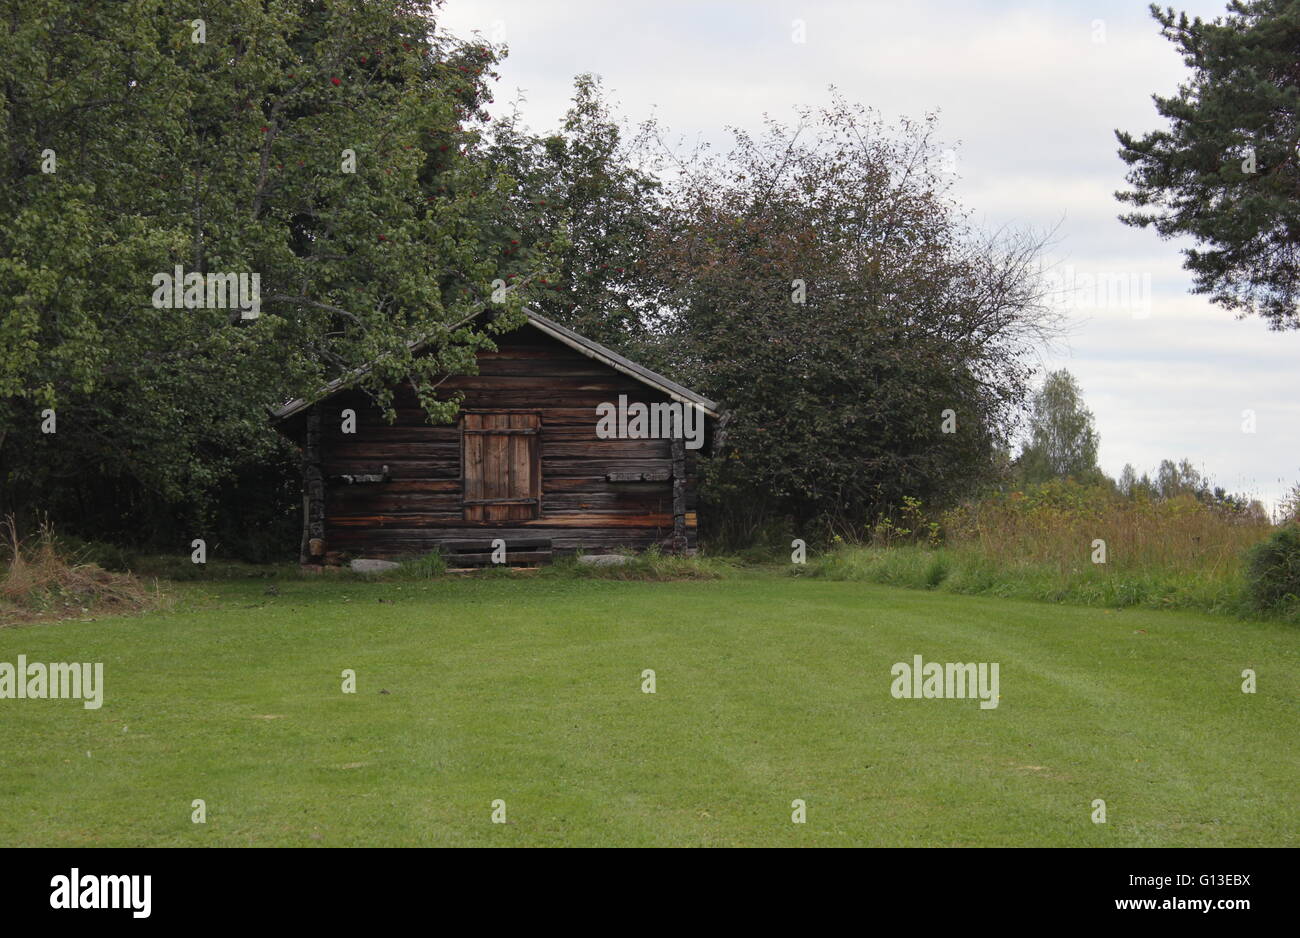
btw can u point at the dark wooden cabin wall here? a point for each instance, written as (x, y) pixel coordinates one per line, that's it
(421, 504)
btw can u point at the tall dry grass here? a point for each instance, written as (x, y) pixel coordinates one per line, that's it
(1041, 543)
(1058, 523)
(39, 582)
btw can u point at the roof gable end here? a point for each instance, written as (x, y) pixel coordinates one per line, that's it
(554, 330)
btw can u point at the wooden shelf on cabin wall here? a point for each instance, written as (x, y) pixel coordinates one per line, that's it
(365, 477)
(658, 475)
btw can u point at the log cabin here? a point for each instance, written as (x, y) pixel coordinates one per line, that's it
(529, 461)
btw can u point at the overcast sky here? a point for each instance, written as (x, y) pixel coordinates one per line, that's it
(1030, 95)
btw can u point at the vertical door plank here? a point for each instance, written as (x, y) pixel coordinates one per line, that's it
(494, 455)
(473, 466)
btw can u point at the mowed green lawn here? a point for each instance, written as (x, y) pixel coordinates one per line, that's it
(769, 689)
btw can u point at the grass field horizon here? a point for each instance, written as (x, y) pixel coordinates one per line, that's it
(769, 689)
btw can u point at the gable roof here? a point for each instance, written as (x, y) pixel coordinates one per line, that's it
(573, 340)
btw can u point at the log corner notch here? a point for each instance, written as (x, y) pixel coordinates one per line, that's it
(679, 542)
(313, 493)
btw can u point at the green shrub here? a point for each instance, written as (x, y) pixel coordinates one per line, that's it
(1273, 570)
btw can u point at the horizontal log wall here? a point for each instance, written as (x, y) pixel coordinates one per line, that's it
(421, 505)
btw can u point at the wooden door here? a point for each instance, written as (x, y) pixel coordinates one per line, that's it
(501, 462)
